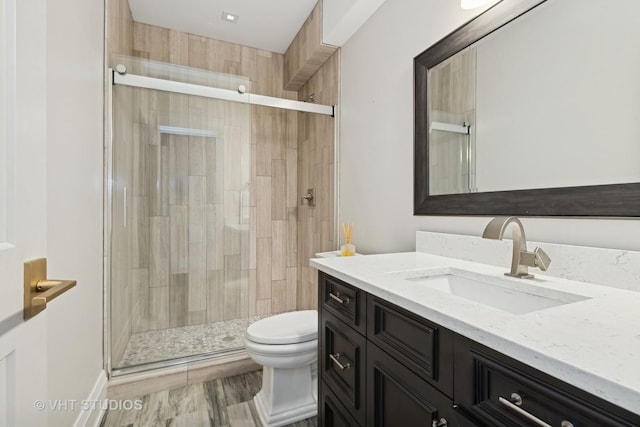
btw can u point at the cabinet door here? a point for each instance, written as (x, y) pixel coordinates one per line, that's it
(396, 396)
(331, 413)
(342, 363)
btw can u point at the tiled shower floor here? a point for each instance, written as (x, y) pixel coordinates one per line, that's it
(173, 343)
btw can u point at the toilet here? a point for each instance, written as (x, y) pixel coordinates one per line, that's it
(286, 345)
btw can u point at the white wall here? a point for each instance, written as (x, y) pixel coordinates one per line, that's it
(341, 18)
(376, 138)
(74, 184)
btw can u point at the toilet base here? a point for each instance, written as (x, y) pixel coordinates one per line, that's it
(287, 396)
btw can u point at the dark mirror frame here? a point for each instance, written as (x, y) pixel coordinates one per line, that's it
(614, 200)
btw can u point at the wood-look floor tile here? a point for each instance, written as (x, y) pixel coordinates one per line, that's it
(216, 402)
(186, 400)
(242, 388)
(112, 419)
(309, 422)
(193, 419)
(240, 415)
(154, 412)
(223, 402)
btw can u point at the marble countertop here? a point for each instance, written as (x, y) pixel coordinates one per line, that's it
(593, 344)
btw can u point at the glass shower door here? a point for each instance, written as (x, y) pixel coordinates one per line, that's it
(180, 226)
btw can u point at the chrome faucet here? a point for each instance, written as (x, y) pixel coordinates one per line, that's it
(522, 259)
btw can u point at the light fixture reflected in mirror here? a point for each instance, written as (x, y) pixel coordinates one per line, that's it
(472, 4)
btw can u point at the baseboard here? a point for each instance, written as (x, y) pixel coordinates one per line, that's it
(89, 417)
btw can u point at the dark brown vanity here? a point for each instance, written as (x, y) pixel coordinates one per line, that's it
(381, 365)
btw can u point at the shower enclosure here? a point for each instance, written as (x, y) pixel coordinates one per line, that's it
(181, 214)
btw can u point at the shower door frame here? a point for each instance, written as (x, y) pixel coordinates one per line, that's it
(114, 78)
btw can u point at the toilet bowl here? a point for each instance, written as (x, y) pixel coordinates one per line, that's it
(286, 345)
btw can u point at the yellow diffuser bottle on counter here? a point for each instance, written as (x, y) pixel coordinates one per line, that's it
(348, 249)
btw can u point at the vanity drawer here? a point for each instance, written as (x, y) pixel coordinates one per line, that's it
(343, 300)
(342, 363)
(424, 347)
(499, 391)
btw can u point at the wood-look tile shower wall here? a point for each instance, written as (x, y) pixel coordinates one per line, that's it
(316, 160)
(271, 266)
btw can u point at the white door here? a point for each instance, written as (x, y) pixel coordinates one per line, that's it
(23, 218)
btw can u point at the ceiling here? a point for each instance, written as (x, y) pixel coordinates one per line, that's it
(269, 25)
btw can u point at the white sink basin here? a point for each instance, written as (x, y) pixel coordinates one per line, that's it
(517, 296)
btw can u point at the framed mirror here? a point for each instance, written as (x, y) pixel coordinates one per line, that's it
(531, 109)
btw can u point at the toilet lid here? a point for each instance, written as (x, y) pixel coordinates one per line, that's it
(286, 328)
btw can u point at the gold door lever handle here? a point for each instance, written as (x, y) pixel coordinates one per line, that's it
(38, 291)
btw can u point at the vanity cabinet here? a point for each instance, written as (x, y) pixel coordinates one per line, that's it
(381, 365)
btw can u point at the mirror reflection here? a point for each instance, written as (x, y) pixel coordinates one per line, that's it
(551, 99)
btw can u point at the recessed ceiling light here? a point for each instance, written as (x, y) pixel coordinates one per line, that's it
(230, 17)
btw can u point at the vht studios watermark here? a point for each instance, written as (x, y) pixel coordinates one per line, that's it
(87, 405)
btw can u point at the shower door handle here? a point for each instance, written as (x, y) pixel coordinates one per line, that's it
(124, 204)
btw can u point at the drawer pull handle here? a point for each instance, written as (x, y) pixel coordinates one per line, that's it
(514, 405)
(335, 360)
(442, 422)
(336, 297)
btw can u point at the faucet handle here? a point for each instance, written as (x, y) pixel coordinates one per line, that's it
(542, 260)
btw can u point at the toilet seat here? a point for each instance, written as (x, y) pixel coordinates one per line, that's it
(286, 328)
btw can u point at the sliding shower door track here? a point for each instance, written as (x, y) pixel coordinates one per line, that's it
(126, 79)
